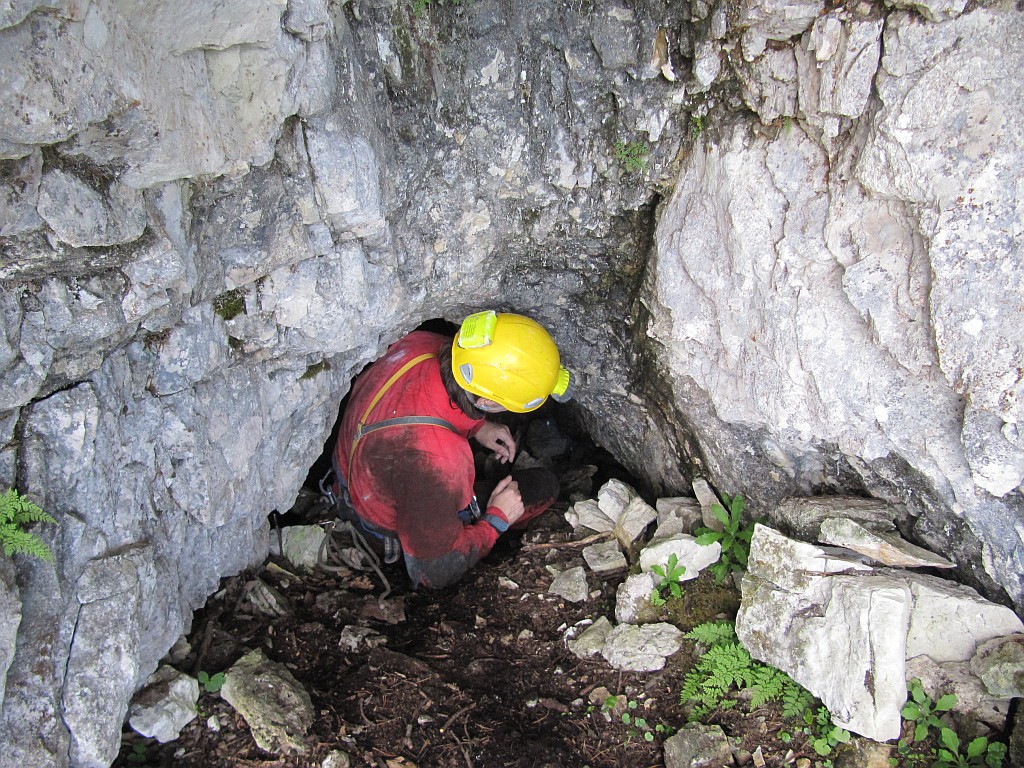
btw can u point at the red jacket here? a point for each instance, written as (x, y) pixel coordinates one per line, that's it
(412, 480)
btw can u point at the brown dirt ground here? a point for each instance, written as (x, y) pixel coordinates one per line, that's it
(475, 675)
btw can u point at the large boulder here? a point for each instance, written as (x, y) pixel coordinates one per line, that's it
(803, 608)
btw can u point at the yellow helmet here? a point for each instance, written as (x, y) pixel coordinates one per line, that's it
(509, 359)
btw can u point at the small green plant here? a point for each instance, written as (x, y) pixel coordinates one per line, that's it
(669, 578)
(734, 538)
(138, 753)
(924, 712)
(638, 726)
(211, 683)
(726, 666)
(981, 752)
(315, 369)
(229, 304)
(16, 512)
(631, 155)
(909, 756)
(696, 126)
(824, 735)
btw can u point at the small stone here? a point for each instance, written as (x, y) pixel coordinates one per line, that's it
(277, 709)
(605, 557)
(267, 600)
(634, 520)
(613, 498)
(803, 516)
(1000, 665)
(633, 599)
(885, 547)
(301, 545)
(693, 557)
(336, 759)
(698, 746)
(352, 638)
(956, 677)
(165, 706)
(707, 499)
(641, 648)
(679, 514)
(591, 640)
(571, 585)
(587, 514)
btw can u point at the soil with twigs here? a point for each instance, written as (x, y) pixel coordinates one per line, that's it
(478, 674)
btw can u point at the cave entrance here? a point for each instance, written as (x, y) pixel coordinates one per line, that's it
(554, 436)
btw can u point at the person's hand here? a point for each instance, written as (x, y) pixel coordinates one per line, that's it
(506, 498)
(498, 438)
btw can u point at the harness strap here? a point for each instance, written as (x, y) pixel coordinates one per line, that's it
(363, 429)
(399, 421)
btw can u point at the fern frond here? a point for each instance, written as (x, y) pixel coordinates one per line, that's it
(795, 699)
(713, 633)
(16, 512)
(17, 541)
(17, 509)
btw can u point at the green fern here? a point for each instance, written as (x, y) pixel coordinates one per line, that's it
(728, 666)
(795, 699)
(16, 512)
(713, 633)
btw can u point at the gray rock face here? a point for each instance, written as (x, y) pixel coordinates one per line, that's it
(800, 613)
(211, 217)
(10, 618)
(838, 267)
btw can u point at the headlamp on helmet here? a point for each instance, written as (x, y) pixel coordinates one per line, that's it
(509, 359)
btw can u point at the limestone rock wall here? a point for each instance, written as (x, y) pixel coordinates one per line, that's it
(842, 277)
(212, 216)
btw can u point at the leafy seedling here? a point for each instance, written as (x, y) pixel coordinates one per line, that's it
(211, 683)
(924, 712)
(669, 578)
(631, 155)
(138, 753)
(981, 753)
(734, 538)
(825, 736)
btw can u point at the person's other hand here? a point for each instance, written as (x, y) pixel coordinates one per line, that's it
(506, 498)
(498, 438)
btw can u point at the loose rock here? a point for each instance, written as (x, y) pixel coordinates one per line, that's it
(641, 648)
(698, 746)
(277, 709)
(571, 585)
(165, 706)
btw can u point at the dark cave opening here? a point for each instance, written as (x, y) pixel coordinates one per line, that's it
(554, 436)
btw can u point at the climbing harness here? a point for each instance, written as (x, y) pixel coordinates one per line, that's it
(347, 519)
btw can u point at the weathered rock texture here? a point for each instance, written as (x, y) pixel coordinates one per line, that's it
(212, 216)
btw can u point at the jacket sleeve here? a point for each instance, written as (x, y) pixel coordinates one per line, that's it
(438, 548)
